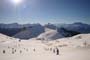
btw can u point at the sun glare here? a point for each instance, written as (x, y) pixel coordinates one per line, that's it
(16, 2)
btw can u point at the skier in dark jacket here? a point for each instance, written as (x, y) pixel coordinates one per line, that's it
(57, 51)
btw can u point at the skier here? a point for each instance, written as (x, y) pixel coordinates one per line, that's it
(4, 51)
(57, 51)
(53, 50)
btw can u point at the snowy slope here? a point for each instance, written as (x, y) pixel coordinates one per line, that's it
(4, 38)
(50, 34)
(75, 41)
(70, 49)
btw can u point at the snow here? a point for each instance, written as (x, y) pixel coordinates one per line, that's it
(70, 48)
(50, 34)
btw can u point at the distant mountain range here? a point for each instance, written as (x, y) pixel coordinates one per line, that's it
(30, 32)
(27, 31)
(24, 31)
(78, 27)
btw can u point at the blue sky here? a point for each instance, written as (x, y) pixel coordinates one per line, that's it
(45, 11)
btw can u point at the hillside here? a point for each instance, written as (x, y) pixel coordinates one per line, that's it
(73, 48)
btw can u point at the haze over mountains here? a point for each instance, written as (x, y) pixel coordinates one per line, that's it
(27, 31)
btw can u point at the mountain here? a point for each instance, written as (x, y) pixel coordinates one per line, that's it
(24, 31)
(13, 25)
(78, 27)
(49, 34)
(67, 33)
(65, 30)
(10, 29)
(27, 31)
(30, 32)
(49, 25)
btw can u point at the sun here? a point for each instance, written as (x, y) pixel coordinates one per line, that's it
(16, 2)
